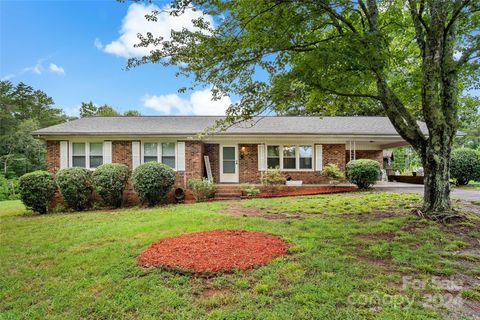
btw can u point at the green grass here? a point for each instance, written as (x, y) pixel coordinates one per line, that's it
(82, 265)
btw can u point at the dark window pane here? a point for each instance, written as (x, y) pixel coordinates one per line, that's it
(78, 161)
(273, 163)
(149, 159)
(288, 163)
(228, 166)
(305, 163)
(229, 153)
(289, 151)
(273, 151)
(169, 161)
(95, 161)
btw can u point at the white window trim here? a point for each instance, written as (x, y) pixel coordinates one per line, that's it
(297, 156)
(87, 153)
(159, 151)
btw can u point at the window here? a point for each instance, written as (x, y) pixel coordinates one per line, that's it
(96, 154)
(161, 152)
(87, 155)
(273, 157)
(79, 155)
(150, 152)
(289, 158)
(168, 154)
(306, 155)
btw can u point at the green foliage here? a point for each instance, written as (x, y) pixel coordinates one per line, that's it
(364, 172)
(76, 187)
(332, 172)
(132, 113)
(272, 177)
(153, 181)
(249, 189)
(202, 189)
(37, 190)
(23, 110)
(109, 180)
(465, 165)
(89, 109)
(8, 188)
(469, 118)
(405, 159)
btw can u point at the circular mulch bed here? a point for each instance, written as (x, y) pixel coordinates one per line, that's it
(213, 251)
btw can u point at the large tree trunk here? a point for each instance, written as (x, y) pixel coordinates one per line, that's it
(436, 164)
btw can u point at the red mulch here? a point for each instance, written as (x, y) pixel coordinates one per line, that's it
(213, 251)
(304, 192)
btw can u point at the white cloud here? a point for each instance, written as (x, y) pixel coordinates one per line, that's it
(38, 69)
(56, 69)
(134, 23)
(199, 103)
(98, 44)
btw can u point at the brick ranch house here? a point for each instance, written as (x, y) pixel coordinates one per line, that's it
(299, 146)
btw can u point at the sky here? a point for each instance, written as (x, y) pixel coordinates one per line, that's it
(77, 51)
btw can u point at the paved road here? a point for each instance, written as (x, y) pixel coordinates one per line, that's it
(463, 194)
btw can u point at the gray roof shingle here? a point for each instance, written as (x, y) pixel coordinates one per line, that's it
(191, 125)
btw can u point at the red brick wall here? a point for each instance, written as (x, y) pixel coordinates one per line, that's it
(248, 166)
(122, 152)
(334, 153)
(376, 155)
(53, 156)
(212, 150)
(194, 165)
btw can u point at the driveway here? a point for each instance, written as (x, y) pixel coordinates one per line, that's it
(463, 194)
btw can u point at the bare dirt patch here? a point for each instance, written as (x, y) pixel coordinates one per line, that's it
(213, 251)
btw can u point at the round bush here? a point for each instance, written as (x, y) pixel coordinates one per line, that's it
(76, 187)
(465, 165)
(153, 181)
(109, 181)
(364, 173)
(37, 189)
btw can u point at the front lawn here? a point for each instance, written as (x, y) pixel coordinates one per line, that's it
(351, 256)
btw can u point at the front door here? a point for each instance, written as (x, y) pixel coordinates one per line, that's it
(229, 163)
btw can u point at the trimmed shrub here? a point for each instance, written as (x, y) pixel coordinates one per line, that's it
(76, 187)
(364, 173)
(37, 190)
(333, 173)
(272, 177)
(202, 189)
(109, 180)
(153, 181)
(465, 165)
(249, 190)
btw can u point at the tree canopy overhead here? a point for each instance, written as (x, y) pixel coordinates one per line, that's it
(409, 58)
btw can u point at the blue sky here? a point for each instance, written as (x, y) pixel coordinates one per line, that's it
(77, 51)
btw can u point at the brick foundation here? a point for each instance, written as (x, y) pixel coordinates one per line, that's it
(248, 166)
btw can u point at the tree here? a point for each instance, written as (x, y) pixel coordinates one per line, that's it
(469, 116)
(132, 113)
(412, 59)
(88, 109)
(24, 110)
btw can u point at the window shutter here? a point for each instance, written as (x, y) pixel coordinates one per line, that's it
(63, 154)
(107, 152)
(181, 156)
(135, 154)
(318, 157)
(262, 161)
